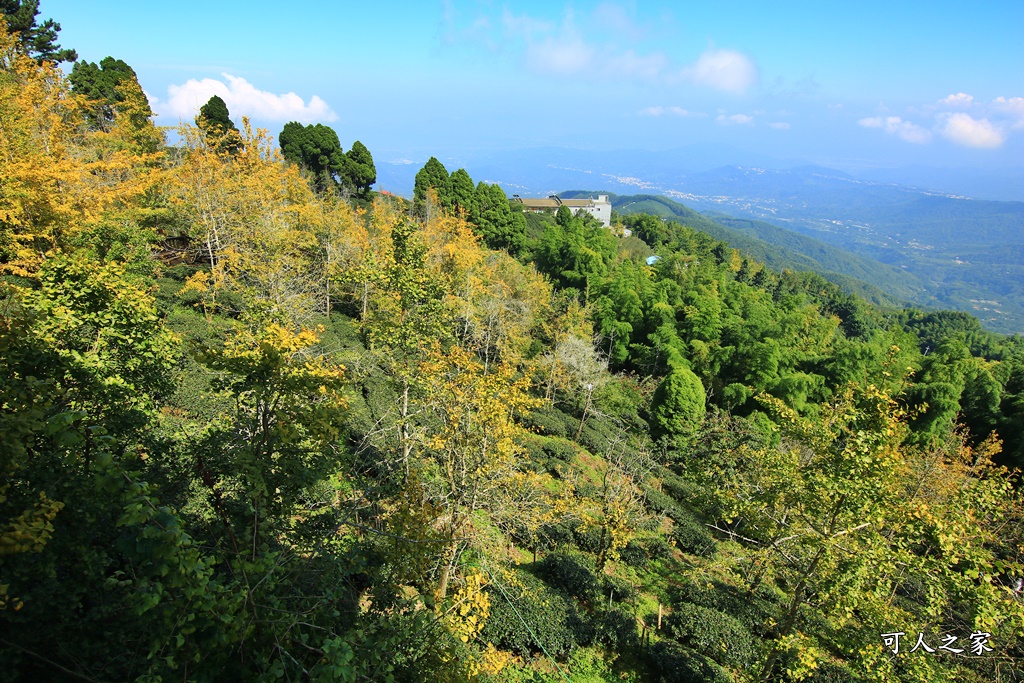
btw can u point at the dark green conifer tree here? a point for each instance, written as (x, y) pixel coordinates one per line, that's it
(432, 175)
(215, 120)
(38, 41)
(99, 82)
(360, 173)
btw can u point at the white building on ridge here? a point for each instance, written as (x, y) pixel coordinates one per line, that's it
(599, 208)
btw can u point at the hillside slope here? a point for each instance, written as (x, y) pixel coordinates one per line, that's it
(779, 249)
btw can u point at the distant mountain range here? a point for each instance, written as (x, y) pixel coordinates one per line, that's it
(780, 248)
(544, 170)
(923, 246)
(927, 250)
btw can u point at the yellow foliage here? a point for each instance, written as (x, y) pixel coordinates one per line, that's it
(37, 135)
(55, 178)
(29, 532)
(256, 221)
(492, 660)
(465, 619)
(470, 607)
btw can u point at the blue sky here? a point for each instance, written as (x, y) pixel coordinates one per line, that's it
(841, 84)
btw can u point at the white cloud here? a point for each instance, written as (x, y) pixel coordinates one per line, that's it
(734, 119)
(629, 64)
(779, 125)
(604, 42)
(479, 30)
(1013, 106)
(958, 100)
(615, 17)
(523, 26)
(565, 55)
(964, 129)
(673, 111)
(564, 51)
(244, 99)
(904, 130)
(726, 70)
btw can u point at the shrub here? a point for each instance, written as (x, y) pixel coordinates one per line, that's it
(616, 628)
(663, 503)
(673, 663)
(634, 554)
(680, 489)
(536, 459)
(754, 610)
(547, 454)
(619, 589)
(831, 672)
(720, 636)
(587, 538)
(638, 552)
(559, 449)
(692, 537)
(658, 548)
(555, 535)
(550, 422)
(572, 572)
(551, 617)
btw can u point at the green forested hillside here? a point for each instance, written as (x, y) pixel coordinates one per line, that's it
(259, 423)
(779, 249)
(932, 239)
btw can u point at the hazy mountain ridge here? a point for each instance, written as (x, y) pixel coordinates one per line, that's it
(953, 251)
(780, 248)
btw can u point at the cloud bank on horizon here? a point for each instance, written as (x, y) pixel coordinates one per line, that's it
(988, 127)
(243, 99)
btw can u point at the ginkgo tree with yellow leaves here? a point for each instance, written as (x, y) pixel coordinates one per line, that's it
(845, 518)
(470, 445)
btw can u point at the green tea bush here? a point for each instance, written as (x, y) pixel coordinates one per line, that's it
(616, 628)
(663, 503)
(756, 611)
(555, 535)
(572, 572)
(716, 634)
(831, 672)
(531, 605)
(638, 552)
(693, 537)
(551, 421)
(673, 663)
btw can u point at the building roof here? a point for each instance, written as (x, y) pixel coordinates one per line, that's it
(553, 202)
(549, 202)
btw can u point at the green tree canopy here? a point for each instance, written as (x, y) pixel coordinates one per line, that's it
(360, 172)
(215, 119)
(39, 41)
(677, 408)
(317, 149)
(500, 226)
(563, 216)
(463, 192)
(215, 113)
(99, 82)
(432, 175)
